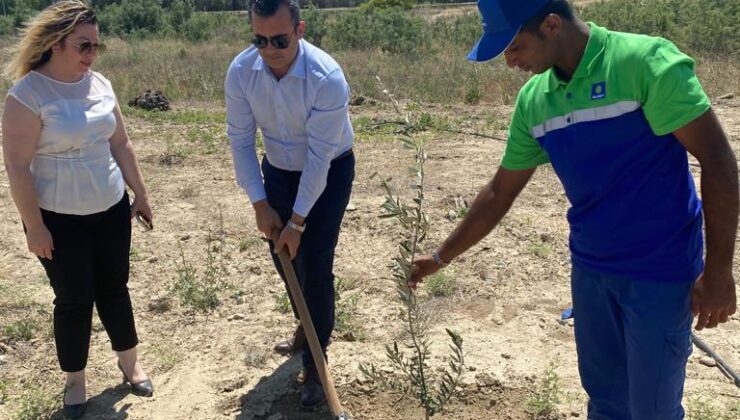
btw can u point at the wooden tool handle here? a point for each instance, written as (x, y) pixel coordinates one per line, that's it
(313, 341)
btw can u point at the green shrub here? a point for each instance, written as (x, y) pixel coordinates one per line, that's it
(698, 26)
(316, 25)
(197, 28)
(441, 284)
(196, 290)
(37, 404)
(3, 392)
(390, 30)
(463, 31)
(7, 25)
(179, 12)
(282, 303)
(140, 18)
(21, 330)
(388, 4)
(543, 405)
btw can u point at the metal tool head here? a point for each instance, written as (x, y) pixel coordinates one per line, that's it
(343, 416)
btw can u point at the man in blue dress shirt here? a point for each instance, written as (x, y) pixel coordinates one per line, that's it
(299, 98)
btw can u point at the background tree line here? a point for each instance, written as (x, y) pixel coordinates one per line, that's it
(10, 7)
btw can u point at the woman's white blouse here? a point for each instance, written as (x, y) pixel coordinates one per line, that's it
(74, 171)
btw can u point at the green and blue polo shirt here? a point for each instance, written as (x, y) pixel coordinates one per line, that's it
(608, 134)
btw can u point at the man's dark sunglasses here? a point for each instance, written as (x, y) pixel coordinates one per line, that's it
(280, 42)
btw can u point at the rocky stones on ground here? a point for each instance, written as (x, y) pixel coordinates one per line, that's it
(708, 361)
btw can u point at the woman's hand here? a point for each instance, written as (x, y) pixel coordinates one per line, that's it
(39, 241)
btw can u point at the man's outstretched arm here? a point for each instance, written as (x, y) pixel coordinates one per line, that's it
(489, 207)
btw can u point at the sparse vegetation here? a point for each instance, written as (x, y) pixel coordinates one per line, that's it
(166, 356)
(3, 391)
(200, 291)
(248, 242)
(346, 324)
(188, 191)
(441, 284)
(21, 330)
(282, 303)
(539, 248)
(175, 154)
(255, 356)
(133, 253)
(37, 403)
(703, 408)
(543, 405)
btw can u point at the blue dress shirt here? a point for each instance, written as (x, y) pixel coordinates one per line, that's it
(303, 118)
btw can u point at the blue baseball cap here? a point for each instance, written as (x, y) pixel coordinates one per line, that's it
(502, 20)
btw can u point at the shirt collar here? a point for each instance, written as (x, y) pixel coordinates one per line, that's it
(298, 69)
(594, 50)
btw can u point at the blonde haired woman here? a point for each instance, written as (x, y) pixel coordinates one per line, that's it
(67, 156)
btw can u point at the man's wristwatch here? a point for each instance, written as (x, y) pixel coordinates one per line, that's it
(295, 226)
(439, 260)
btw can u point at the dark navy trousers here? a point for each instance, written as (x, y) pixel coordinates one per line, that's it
(633, 340)
(314, 262)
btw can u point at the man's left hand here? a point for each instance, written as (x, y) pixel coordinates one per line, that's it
(289, 238)
(713, 300)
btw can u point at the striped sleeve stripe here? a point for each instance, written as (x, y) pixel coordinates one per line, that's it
(585, 115)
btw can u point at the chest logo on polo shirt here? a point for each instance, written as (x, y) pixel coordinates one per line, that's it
(598, 90)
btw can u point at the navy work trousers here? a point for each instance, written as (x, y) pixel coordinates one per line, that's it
(314, 262)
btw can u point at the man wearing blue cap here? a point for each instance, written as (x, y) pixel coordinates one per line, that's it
(615, 114)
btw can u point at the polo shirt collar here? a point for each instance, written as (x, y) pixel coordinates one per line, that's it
(594, 50)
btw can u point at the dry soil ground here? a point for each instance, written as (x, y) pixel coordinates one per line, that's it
(510, 289)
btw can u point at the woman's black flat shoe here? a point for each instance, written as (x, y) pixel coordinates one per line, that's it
(73, 411)
(142, 389)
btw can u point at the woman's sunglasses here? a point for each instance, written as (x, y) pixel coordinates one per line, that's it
(280, 42)
(86, 47)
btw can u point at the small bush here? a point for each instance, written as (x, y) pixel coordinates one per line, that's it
(346, 324)
(390, 30)
(463, 31)
(441, 284)
(166, 356)
(701, 408)
(472, 92)
(388, 4)
(316, 25)
(282, 303)
(179, 12)
(698, 26)
(21, 330)
(197, 28)
(3, 392)
(200, 292)
(7, 25)
(547, 395)
(37, 404)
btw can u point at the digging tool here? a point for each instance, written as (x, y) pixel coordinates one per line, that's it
(721, 364)
(313, 340)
